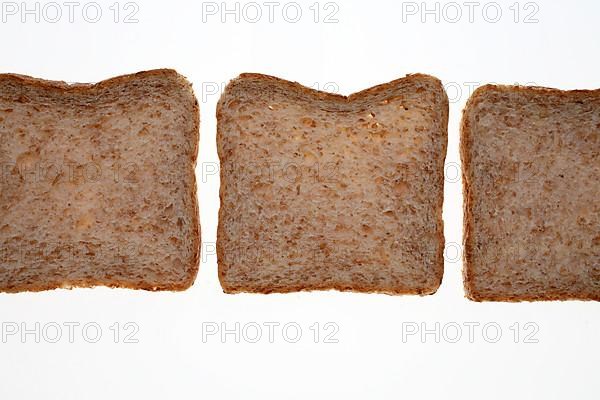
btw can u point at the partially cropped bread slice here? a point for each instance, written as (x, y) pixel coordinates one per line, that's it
(322, 191)
(531, 167)
(98, 184)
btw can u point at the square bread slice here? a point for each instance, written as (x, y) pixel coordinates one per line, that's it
(531, 167)
(322, 191)
(98, 184)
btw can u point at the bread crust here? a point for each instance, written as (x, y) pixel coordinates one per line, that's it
(335, 103)
(470, 193)
(192, 263)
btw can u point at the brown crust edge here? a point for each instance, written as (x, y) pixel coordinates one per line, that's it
(338, 288)
(464, 146)
(83, 87)
(195, 134)
(320, 95)
(193, 193)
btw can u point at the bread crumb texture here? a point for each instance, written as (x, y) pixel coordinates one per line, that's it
(322, 191)
(532, 217)
(98, 184)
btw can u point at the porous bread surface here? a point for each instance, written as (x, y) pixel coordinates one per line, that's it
(98, 184)
(531, 169)
(322, 191)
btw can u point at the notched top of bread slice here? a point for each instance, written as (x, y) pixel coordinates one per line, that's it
(322, 191)
(97, 183)
(531, 171)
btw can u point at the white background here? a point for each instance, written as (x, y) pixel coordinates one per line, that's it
(374, 357)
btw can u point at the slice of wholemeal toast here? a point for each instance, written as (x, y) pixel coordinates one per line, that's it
(321, 191)
(531, 169)
(98, 184)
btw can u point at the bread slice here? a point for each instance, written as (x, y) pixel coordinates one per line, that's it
(321, 191)
(531, 169)
(98, 184)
